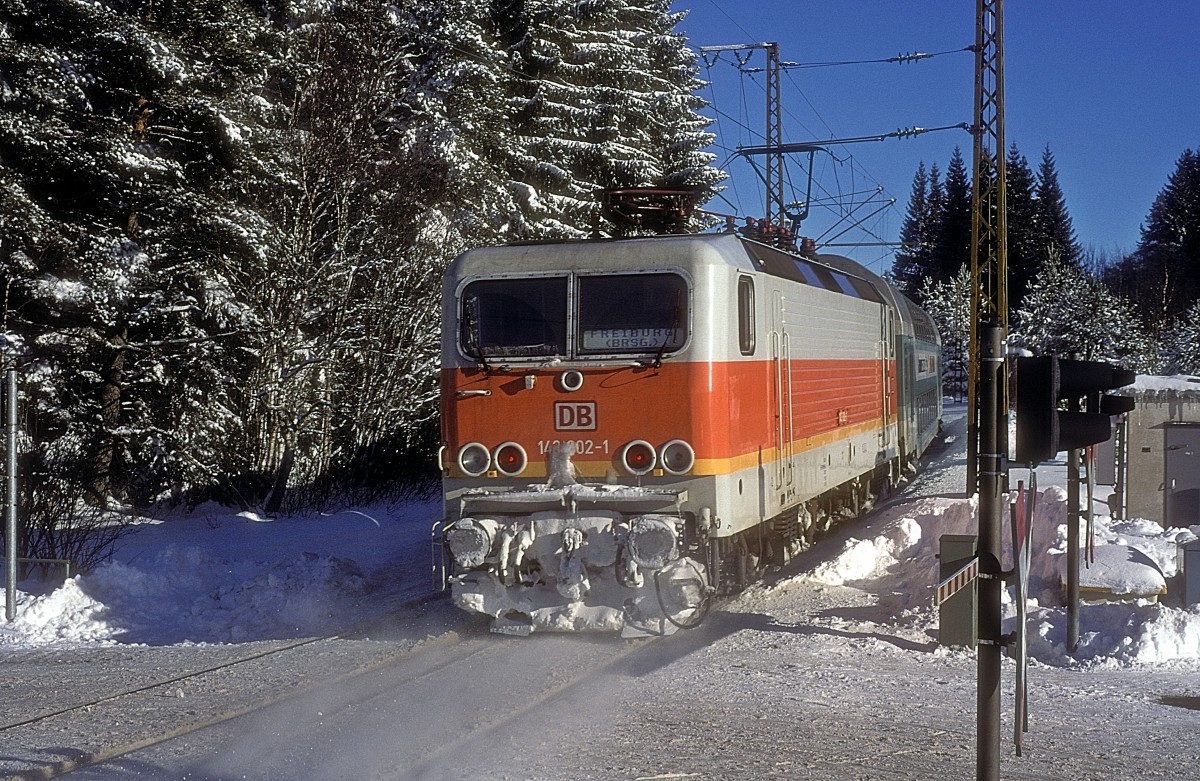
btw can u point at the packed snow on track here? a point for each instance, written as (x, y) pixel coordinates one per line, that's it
(844, 639)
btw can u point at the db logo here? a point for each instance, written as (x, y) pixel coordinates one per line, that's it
(574, 416)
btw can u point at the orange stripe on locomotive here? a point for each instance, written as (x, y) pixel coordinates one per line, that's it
(724, 410)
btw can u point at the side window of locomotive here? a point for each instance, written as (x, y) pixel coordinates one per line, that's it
(746, 315)
(514, 317)
(844, 284)
(632, 313)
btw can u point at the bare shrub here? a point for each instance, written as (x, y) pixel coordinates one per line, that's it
(58, 524)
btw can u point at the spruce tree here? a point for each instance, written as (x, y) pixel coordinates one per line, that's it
(1182, 343)
(1024, 257)
(953, 245)
(125, 140)
(909, 267)
(1068, 311)
(604, 99)
(948, 302)
(1165, 267)
(1054, 230)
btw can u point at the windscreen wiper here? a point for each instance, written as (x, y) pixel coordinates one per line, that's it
(471, 324)
(676, 317)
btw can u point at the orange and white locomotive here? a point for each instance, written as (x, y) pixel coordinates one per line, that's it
(631, 424)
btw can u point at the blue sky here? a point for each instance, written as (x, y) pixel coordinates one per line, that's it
(1112, 87)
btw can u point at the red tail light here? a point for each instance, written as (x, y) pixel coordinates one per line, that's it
(639, 457)
(510, 459)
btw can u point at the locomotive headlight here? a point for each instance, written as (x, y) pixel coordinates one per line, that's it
(639, 457)
(652, 542)
(470, 541)
(474, 459)
(677, 457)
(571, 380)
(510, 459)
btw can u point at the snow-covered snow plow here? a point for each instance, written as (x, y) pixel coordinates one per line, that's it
(575, 558)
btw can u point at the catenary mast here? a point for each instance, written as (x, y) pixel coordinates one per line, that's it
(988, 387)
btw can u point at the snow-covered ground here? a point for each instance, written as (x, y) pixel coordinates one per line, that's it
(842, 620)
(220, 576)
(899, 559)
(217, 576)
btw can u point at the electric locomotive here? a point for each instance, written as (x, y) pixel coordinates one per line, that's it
(630, 425)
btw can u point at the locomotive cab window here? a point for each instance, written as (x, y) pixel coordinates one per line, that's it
(632, 313)
(514, 318)
(746, 315)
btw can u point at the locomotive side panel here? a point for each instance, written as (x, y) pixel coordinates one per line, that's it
(837, 387)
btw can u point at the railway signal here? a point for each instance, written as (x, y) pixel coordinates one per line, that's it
(1043, 430)
(1043, 382)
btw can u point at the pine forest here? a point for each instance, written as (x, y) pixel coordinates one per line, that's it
(1140, 311)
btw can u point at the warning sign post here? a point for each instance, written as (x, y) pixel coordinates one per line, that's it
(957, 593)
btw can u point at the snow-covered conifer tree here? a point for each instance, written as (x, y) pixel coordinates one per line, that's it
(1025, 250)
(1163, 274)
(122, 127)
(1053, 221)
(909, 269)
(952, 246)
(1182, 347)
(604, 97)
(1068, 312)
(948, 302)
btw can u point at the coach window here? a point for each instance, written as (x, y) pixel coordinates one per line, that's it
(632, 313)
(514, 318)
(746, 315)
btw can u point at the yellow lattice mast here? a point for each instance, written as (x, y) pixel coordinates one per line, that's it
(988, 388)
(989, 221)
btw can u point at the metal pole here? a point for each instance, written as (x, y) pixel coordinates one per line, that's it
(775, 183)
(987, 399)
(1072, 542)
(10, 498)
(992, 465)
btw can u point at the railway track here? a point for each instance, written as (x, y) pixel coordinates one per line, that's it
(333, 689)
(467, 701)
(145, 706)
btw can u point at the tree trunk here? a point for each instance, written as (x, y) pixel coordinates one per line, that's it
(100, 486)
(275, 499)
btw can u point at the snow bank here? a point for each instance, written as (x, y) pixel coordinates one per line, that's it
(190, 595)
(904, 540)
(1136, 557)
(218, 577)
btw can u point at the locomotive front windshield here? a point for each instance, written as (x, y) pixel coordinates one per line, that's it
(632, 313)
(515, 317)
(613, 313)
